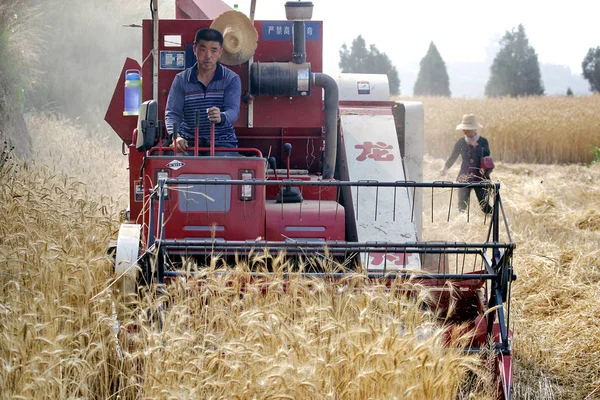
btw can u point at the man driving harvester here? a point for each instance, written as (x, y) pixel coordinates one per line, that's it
(209, 89)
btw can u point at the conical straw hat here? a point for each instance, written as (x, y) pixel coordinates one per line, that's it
(240, 38)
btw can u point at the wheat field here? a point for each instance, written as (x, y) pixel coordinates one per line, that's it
(550, 187)
(541, 130)
(309, 340)
(59, 338)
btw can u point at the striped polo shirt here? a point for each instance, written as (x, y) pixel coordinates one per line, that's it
(188, 94)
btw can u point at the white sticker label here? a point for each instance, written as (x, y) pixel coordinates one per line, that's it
(139, 191)
(364, 87)
(172, 60)
(175, 165)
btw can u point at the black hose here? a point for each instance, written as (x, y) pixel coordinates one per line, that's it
(331, 119)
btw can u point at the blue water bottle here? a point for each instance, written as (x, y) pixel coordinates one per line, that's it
(133, 92)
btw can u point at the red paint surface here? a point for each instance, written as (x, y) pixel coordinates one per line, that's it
(244, 220)
(309, 219)
(123, 125)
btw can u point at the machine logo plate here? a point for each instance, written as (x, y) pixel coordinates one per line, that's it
(364, 87)
(175, 165)
(172, 60)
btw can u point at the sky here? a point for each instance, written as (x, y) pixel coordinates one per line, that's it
(462, 30)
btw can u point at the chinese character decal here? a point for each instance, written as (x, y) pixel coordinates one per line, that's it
(279, 30)
(392, 258)
(379, 151)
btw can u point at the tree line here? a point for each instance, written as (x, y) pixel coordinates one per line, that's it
(514, 72)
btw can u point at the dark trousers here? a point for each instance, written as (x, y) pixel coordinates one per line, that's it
(464, 194)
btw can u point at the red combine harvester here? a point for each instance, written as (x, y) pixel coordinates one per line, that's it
(328, 167)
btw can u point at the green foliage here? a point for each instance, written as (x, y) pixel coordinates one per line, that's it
(515, 71)
(433, 77)
(360, 60)
(569, 92)
(596, 154)
(591, 68)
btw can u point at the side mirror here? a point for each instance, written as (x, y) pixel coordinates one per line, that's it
(147, 126)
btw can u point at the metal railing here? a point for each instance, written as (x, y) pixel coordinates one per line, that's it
(487, 262)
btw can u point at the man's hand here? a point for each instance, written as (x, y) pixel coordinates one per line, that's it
(443, 171)
(181, 144)
(214, 115)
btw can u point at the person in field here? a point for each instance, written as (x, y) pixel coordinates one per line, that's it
(472, 148)
(207, 86)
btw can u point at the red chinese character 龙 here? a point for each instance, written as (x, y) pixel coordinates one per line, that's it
(377, 151)
(392, 258)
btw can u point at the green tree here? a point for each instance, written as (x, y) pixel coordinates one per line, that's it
(360, 60)
(433, 77)
(515, 71)
(569, 92)
(591, 68)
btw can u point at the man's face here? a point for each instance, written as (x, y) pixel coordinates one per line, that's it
(207, 54)
(469, 133)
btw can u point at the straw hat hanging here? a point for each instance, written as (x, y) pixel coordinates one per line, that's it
(240, 38)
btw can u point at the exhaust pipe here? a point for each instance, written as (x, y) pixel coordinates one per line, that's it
(331, 117)
(299, 11)
(299, 53)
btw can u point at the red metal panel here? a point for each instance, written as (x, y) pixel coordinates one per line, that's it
(277, 120)
(196, 9)
(245, 220)
(310, 219)
(308, 192)
(269, 111)
(123, 125)
(135, 164)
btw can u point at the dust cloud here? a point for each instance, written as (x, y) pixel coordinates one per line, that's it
(84, 47)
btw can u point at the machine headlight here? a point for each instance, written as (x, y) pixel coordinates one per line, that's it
(246, 191)
(163, 174)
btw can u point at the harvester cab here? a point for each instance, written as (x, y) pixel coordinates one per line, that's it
(326, 166)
